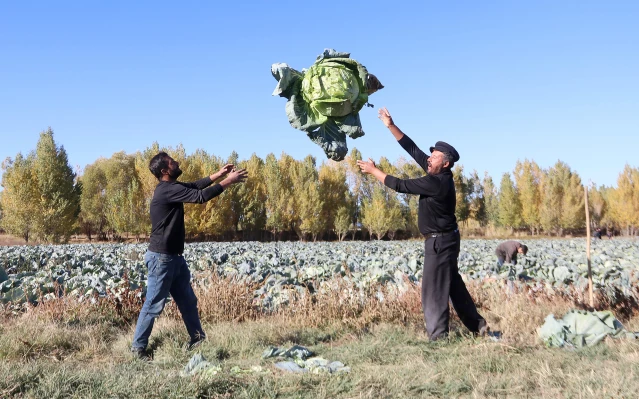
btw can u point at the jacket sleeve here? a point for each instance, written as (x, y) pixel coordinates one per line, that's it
(411, 148)
(514, 252)
(426, 185)
(511, 250)
(180, 192)
(199, 184)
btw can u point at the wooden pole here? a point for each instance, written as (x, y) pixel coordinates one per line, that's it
(590, 294)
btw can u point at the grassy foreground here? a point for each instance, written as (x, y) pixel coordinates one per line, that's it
(63, 349)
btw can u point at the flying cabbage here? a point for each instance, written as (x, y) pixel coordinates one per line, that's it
(324, 101)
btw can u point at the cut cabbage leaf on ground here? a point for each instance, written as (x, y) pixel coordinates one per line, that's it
(324, 101)
(580, 328)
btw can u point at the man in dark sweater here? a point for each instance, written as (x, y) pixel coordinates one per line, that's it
(168, 272)
(507, 252)
(437, 222)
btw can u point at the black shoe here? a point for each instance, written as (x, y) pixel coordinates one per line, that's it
(484, 330)
(194, 344)
(140, 353)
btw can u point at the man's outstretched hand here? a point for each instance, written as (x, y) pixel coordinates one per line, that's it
(224, 170)
(235, 176)
(387, 119)
(367, 166)
(385, 116)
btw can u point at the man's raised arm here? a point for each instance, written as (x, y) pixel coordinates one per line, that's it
(426, 185)
(407, 144)
(207, 181)
(183, 193)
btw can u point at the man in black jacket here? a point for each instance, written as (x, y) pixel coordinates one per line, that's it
(437, 222)
(168, 272)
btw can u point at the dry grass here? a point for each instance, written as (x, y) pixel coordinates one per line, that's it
(64, 348)
(513, 310)
(7, 240)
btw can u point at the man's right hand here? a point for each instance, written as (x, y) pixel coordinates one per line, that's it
(236, 176)
(385, 116)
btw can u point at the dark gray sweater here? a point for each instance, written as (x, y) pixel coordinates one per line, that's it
(167, 212)
(508, 250)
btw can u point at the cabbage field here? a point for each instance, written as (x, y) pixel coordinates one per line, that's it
(35, 273)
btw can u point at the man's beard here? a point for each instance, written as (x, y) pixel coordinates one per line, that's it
(175, 173)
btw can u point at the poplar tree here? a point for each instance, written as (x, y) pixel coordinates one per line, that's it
(409, 169)
(607, 216)
(527, 178)
(93, 199)
(551, 199)
(374, 213)
(147, 180)
(462, 194)
(491, 200)
(335, 196)
(125, 201)
(58, 200)
(573, 215)
(624, 200)
(477, 203)
(343, 222)
(218, 217)
(357, 183)
(509, 206)
(197, 166)
(19, 199)
(308, 201)
(252, 195)
(311, 205)
(381, 210)
(278, 194)
(562, 205)
(393, 213)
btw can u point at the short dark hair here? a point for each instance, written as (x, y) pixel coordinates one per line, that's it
(448, 157)
(524, 248)
(159, 162)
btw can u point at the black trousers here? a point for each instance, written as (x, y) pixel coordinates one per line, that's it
(441, 281)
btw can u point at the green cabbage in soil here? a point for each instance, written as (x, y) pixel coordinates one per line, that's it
(324, 101)
(44, 272)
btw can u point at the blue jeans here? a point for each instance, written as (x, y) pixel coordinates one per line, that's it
(168, 274)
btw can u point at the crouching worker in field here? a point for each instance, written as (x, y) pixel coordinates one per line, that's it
(507, 252)
(438, 224)
(168, 272)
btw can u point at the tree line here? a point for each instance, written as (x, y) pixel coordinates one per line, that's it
(44, 200)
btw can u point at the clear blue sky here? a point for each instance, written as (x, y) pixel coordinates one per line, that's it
(500, 80)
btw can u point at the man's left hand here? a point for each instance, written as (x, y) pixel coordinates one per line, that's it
(367, 166)
(226, 169)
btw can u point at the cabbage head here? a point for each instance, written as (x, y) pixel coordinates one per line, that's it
(324, 101)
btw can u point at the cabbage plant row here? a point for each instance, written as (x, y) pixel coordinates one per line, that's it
(29, 273)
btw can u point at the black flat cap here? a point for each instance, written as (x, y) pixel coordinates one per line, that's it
(445, 147)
